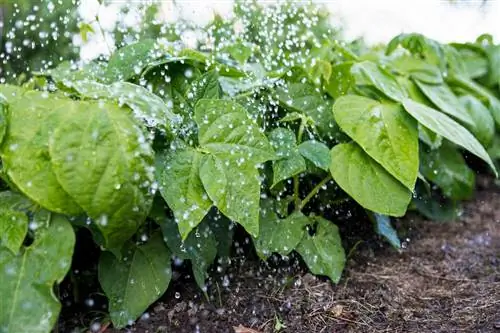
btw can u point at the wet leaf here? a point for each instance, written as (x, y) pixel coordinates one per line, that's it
(323, 252)
(288, 162)
(372, 74)
(448, 128)
(25, 152)
(13, 228)
(384, 131)
(234, 189)
(308, 100)
(226, 130)
(129, 61)
(182, 189)
(28, 301)
(446, 168)
(384, 228)
(368, 182)
(135, 281)
(279, 235)
(418, 69)
(316, 152)
(3, 117)
(206, 86)
(103, 161)
(446, 101)
(484, 124)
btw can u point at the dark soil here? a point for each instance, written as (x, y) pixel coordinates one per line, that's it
(446, 279)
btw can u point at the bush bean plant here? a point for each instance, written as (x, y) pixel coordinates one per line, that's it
(162, 152)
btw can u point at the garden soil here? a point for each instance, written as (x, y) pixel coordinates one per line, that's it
(446, 279)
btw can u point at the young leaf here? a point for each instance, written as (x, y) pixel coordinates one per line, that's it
(13, 229)
(316, 152)
(484, 124)
(279, 235)
(102, 160)
(238, 195)
(445, 126)
(384, 228)
(323, 253)
(27, 137)
(135, 281)
(225, 129)
(367, 182)
(446, 101)
(384, 131)
(289, 162)
(28, 303)
(129, 61)
(385, 82)
(182, 189)
(85, 30)
(446, 168)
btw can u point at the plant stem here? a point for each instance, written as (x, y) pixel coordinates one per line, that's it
(102, 30)
(315, 191)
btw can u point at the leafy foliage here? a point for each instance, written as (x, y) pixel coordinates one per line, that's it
(163, 151)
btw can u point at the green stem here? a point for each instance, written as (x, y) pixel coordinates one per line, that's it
(101, 30)
(315, 191)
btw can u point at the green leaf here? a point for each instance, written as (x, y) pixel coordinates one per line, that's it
(28, 302)
(239, 51)
(200, 246)
(446, 168)
(206, 86)
(13, 229)
(368, 182)
(480, 92)
(433, 207)
(316, 152)
(103, 161)
(234, 188)
(320, 71)
(341, 80)
(85, 29)
(384, 228)
(182, 189)
(305, 98)
(289, 162)
(225, 129)
(323, 253)
(3, 117)
(385, 82)
(418, 69)
(135, 281)
(446, 101)
(129, 61)
(484, 124)
(384, 131)
(147, 107)
(25, 151)
(448, 128)
(279, 235)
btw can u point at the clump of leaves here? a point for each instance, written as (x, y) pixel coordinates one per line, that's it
(160, 152)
